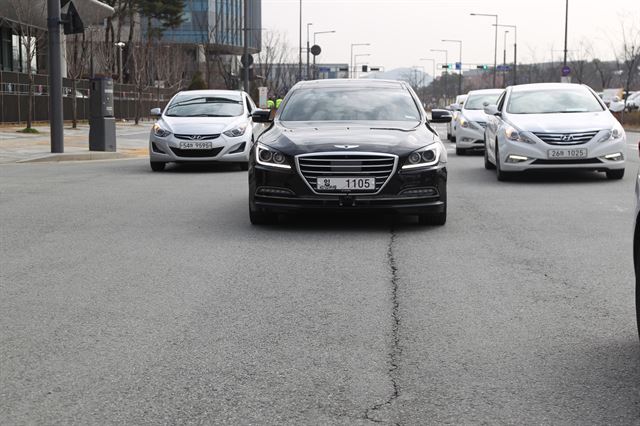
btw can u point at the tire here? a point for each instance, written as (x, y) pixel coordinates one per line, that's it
(452, 138)
(157, 166)
(636, 262)
(434, 219)
(501, 175)
(487, 164)
(460, 151)
(244, 166)
(615, 174)
(262, 218)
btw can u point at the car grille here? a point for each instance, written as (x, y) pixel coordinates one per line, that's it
(314, 166)
(566, 138)
(196, 153)
(197, 137)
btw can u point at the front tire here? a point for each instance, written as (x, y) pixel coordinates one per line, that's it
(157, 166)
(615, 174)
(487, 164)
(501, 175)
(460, 151)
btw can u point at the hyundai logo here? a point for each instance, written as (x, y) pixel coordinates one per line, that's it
(346, 146)
(195, 137)
(567, 138)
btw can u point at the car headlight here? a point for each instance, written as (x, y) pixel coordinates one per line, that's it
(463, 122)
(270, 157)
(159, 131)
(610, 135)
(236, 131)
(424, 157)
(514, 135)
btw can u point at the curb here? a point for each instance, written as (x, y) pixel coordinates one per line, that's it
(76, 156)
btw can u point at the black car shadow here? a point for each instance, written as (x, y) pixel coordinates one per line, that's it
(202, 168)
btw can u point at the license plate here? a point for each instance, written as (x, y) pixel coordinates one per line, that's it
(558, 154)
(196, 145)
(346, 184)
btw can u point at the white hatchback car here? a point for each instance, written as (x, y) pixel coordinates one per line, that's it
(553, 126)
(471, 121)
(203, 126)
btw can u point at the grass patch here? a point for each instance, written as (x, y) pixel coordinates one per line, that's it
(29, 130)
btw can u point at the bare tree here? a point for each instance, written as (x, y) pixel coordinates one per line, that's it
(629, 57)
(271, 63)
(579, 60)
(170, 63)
(76, 57)
(27, 12)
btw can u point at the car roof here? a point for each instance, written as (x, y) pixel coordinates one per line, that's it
(210, 92)
(351, 83)
(545, 86)
(484, 91)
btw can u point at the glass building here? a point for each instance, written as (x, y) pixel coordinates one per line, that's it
(219, 23)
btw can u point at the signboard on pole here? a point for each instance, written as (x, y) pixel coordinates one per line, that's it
(263, 93)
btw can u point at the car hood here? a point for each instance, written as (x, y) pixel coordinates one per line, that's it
(562, 123)
(475, 115)
(398, 138)
(199, 125)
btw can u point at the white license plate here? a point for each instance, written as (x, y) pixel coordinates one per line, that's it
(558, 154)
(346, 184)
(196, 145)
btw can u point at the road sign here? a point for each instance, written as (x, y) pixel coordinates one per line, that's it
(458, 66)
(503, 68)
(246, 60)
(315, 50)
(566, 71)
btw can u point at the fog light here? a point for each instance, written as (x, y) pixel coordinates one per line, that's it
(281, 192)
(614, 157)
(420, 192)
(516, 159)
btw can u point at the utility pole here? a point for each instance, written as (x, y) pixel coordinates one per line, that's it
(308, 49)
(246, 64)
(566, 30)
(55, 77)
(300, 55)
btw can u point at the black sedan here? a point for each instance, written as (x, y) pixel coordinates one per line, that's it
(349, 145)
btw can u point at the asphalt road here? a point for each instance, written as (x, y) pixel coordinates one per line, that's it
(132, 297)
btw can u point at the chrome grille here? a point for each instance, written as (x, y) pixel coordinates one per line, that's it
(197, 137)
(339, 164)
(576, 138)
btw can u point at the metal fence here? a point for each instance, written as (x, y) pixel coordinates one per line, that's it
(14, 98)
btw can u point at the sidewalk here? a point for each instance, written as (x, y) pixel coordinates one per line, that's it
(131, 141)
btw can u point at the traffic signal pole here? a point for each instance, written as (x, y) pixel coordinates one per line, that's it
(55, 77)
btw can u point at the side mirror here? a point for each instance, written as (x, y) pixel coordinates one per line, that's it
(262, 116)
(455, 107)
(440, 116)
(492, 110)
(156, 112)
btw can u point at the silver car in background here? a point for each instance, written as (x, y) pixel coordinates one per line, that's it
(471, 121)
(203, 126)
(553, 126)
(455, 110)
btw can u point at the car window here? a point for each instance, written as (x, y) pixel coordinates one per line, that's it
(350, 104)
(501, 101)
(248, 103)
(551, 101)
(478, 100)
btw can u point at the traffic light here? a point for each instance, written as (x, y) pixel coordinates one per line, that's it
(365, 68)
(482, 67)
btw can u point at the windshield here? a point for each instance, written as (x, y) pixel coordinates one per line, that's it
(477, 101)
(205, 106)
(348, 104)
(553, 101)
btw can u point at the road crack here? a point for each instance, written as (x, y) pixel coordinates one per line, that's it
(395, 350)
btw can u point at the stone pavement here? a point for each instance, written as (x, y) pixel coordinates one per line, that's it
(131, 141)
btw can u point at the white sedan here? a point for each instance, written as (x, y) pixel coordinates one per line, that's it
(553, 126)
(203, 126)
(471, 121)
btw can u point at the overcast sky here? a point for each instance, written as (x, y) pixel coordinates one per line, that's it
(403, 31)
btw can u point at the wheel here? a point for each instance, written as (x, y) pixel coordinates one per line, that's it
(487, 164)
(452, 138)
(244, 166)
(460, 151)
(501, 175)
(435, 219)
(262, 218)
(157, 166)
(615, 174)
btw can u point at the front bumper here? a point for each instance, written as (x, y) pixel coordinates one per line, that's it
(538, 158)
(224, 149)
(471, 137)
(266, 186)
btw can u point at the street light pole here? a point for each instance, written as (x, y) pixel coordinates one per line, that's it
(308, 53)
(300, 52)
(120, 45)
(446, 60)
(495, 49)
(314, 43)
(566, 30)
(355, 63)
(460, 59)
(55, 77)
(515, 51)
(351, 65)
(245, 77)
(504, 58)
